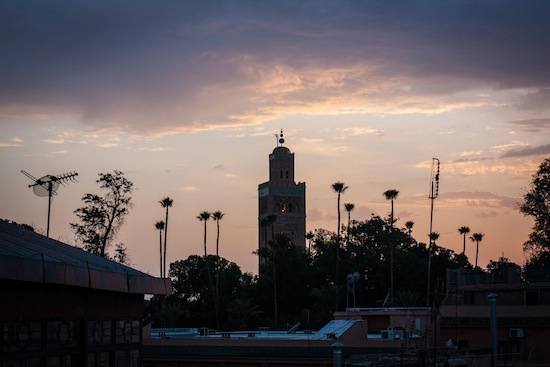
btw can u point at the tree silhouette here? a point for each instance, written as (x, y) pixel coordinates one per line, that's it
(160, 226)
(339, 188)
(391, 195)
(409, 225)
(103, 216)
(217, 216)
(536, 204)
(477, 238)
(166, 203)
(349, 207)
(204, 217)
(464, 231)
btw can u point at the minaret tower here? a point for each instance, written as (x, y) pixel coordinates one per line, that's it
(282, 202)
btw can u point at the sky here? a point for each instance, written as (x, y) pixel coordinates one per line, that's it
(185, 97)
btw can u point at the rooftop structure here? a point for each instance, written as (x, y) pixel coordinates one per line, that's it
(63, 306)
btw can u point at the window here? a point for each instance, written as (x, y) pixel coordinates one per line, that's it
(532, 298)
(286, 174)
(281, 174)
(469, 298)
(283, 208)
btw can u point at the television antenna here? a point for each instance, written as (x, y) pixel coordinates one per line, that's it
(47, 186)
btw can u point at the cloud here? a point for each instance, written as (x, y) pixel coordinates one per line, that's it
(532, 125)
(151, 149)
(485, 215)
(478, 199)
(188, 188)
(528, 151)
(362, 131)
(484, 166)
(13, 142)
(54, 141)
(191, 66)
(318, 215)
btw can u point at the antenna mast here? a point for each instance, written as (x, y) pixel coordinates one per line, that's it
(47, 186)
(434, 193)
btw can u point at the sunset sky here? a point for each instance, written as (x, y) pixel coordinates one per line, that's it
(185, 97)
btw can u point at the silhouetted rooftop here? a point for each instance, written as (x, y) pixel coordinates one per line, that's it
(28, 256)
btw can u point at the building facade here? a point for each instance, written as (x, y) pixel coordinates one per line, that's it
(62, 306)
(282, 201)
(522, 313)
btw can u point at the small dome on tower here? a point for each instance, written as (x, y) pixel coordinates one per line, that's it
(281, 150)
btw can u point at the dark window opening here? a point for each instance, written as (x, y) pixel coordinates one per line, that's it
(286, 174)
(281, 174)
(283, 208)
(532, 298)
(469, 298)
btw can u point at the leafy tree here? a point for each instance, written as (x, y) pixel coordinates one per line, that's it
(407, 298)
(502, 263)
(193, 290)
(102, 217)
(165, 203)
(339, 188)
(327, 297)
(464, 231)
(242, 313)
(536, 204)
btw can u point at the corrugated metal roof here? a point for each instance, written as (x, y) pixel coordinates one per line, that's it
(29, 256)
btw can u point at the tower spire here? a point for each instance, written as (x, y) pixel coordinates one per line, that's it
(281, 140)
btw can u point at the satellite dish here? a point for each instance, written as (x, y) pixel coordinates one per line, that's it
(47, 186)
(42, 186)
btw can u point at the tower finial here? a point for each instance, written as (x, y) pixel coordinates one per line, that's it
(281, 140)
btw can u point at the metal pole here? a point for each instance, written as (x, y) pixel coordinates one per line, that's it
(337, 354)
(50, 189)
(493, 308)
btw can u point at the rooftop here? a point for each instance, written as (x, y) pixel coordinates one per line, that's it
(28, 256)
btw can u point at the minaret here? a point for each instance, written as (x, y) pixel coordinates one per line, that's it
(282, 202)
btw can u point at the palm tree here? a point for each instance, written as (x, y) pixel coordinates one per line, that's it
(217, 216)
(391, 195)
(339, 188)
(204, 217)
(166, 203)
(309, 237)
(477, 237)
(160, 226)
(464, 231)
(349, 207)
(409, 225)
(434, 236)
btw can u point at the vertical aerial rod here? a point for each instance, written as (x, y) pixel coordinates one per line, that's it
(434, 192)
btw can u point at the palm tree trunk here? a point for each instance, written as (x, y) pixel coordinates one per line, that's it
(391, 254)
(160, 250)
(477, 249)
(338, 246)
(464, 245)
(210, 280)
(165, 236)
